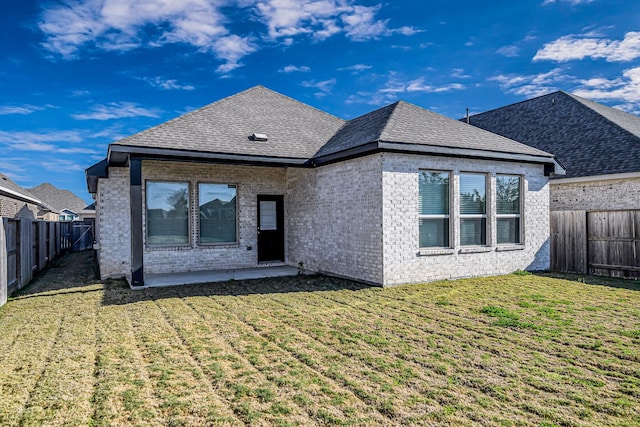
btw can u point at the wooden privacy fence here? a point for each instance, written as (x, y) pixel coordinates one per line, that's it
(27, 246)
(596, 242)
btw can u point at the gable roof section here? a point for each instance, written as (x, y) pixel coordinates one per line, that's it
(294, 130)
(13, 190)
(588, 138)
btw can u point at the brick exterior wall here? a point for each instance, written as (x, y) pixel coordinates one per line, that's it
(596, 195)
(14, 208)
(334, 218)
(355, 218)
(403, 260)
(113, 224)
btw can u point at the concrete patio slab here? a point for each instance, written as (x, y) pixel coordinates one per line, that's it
(193, 277)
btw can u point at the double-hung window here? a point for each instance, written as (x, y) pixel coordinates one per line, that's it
(508, 205)
(473, 209)
(433, 199)
(218, 213)
(167, 213)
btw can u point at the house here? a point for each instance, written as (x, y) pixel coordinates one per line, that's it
(16, 202)
(70, 206)
(598, 145)
(398, 195)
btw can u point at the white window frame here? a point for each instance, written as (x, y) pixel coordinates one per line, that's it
(519, 215)
(439, 216)
(484, 216)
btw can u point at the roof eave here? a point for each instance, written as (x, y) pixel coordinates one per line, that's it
(119, 156)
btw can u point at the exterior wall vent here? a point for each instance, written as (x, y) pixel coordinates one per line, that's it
(258, 137)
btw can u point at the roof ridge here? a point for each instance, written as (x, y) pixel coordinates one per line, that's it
(581, 100)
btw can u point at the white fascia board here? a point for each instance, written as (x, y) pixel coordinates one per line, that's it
(20, 196)
(596, 178)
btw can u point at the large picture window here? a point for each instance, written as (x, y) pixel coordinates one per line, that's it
(473, 209)
(167, 213)
(433, 199)
(508, 208)
(218, 213)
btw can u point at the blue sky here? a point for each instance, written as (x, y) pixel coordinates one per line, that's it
(78, 75)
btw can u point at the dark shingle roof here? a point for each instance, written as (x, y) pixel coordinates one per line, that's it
(15, 190)
(587, 137)
(406, 123)
(58, 199)
(294, 129)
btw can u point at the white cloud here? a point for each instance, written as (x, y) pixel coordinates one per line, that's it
(116, 110)
(625, 89)
(74, 26)
(167, 84)
(418, 85)
(356, 69)
(38, 139)
(532, 85)
(509, 51)
(19, 109)
(294, 68)
(324, 87)
(459, 73)
(576, 47)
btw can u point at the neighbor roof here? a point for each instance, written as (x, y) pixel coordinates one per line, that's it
(300, 135)
(57, 198)
(10, 188)
(588, 138)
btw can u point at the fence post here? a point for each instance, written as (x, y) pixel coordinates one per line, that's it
(3, 262)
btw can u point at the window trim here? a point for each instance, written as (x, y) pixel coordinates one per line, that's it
(485, 216)
(198, 236)
(146, 215)
(519, 215)
(448, 216)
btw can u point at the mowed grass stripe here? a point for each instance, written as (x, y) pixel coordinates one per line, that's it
(373, 386)
(124, 393)
(321, 396)
(422, 369)
(185, 394)
(63, 393)
(252, 397)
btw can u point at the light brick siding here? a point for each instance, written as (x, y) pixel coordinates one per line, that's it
(596, 195)
(251, 181)
(334, 218)
(405, 263)
(13, 208)
(355, 218)
(113, 224)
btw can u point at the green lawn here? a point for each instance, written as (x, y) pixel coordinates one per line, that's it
(509, 350)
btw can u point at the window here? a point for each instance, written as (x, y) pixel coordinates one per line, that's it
(473, 209)
(167, 213)
(218, 212)
(433, 199)
(508, 208)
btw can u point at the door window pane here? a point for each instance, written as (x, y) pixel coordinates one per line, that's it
(268, 216)
(167, 213)
(218, 213)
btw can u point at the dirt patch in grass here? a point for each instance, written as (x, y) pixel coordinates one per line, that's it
(509, 350)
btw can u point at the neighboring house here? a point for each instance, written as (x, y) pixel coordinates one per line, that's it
(70, 206)
(16, 202)
(399, 195)
(598, 145)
